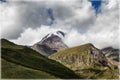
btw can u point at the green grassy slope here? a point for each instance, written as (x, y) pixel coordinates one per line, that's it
(95, 73)
(26, 57)
(11, 70)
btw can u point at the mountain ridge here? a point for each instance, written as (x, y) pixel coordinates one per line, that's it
(85, 51)
(88, 61)
(112, 53)
(80, 62)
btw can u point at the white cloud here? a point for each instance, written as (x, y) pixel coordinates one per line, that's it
(31, 36)
(19, 15)
(105, 30)
(8, 20)
(26, 22)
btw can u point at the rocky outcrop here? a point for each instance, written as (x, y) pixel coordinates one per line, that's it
(111, 53)
(80, 57)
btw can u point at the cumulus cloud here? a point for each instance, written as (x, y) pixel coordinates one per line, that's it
(19, 15)
(105, 30)
(30, 36)
(27, 22)
(8, 19)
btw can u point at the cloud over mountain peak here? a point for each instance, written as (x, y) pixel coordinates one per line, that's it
(25, 22)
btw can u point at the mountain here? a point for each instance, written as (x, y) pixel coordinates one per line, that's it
(80, 56)
(22, 62)
(112, 53)
(50, 44)
(87, 61)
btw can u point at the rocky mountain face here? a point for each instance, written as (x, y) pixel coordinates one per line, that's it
(87, 61)
(50, 44)
(78, 57)
(111, 53)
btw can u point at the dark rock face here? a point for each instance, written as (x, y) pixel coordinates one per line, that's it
(50, 44)
(60, 32)
(109, 50)
(54, 42)
(111, 53)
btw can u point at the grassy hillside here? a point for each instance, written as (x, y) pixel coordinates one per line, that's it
(11, 70)
(30, 62)
(97, 73)
(87, 61)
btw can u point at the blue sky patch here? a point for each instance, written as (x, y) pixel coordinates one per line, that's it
(96, 5)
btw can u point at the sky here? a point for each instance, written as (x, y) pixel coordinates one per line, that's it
(26, 22)
(96, 4)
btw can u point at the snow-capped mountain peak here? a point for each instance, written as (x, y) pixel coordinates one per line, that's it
(57, 33)
(51, 43)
